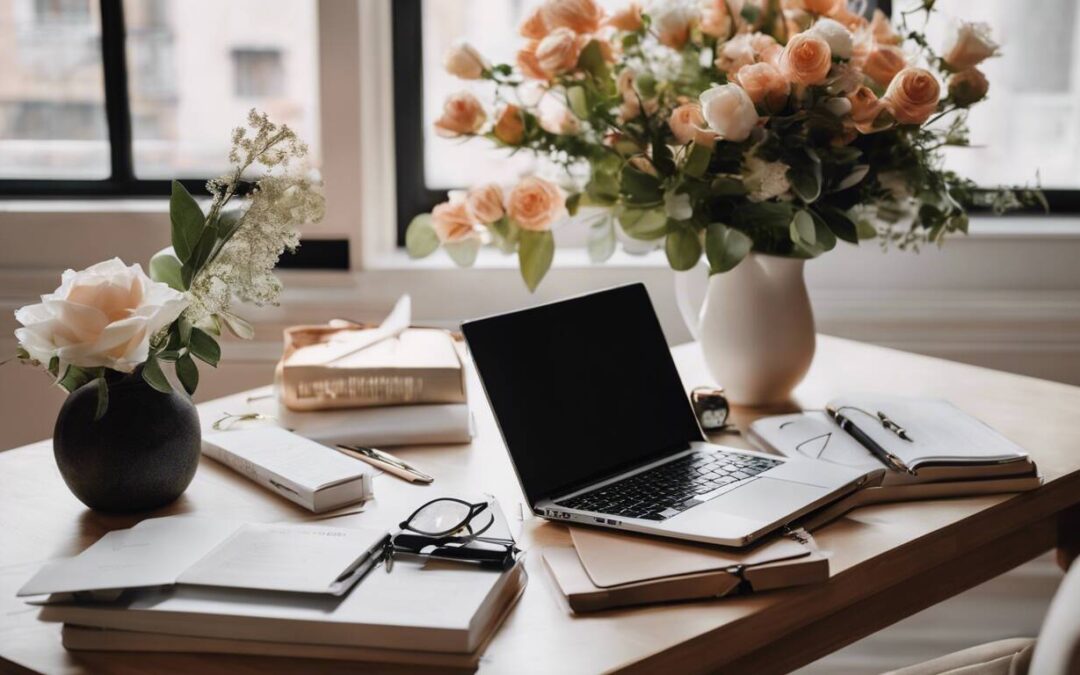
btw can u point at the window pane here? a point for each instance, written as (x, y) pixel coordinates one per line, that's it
(197, 66)
(52, 93)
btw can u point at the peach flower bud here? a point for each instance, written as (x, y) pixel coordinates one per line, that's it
(865, 105)
(534, 204)
(631, 105)
(882, 29)
(452, 222)
(485, 203)
(556, 118)
(729, 111)
(765, 85)
(969, 45)
(806, 59)
(580, 16)
(883, 63)
(462, 116)
(628, 18)
(558, 52)
(462, 60)
(688, 124)
(820, 6)
(968, 87)
(534, 27)
(835, 35)
(912, 96)
(510, 126)
(671, 21)
(716, 19)
(529, 65)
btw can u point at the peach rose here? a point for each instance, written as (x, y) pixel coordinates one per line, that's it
(883, 63)
(806, 59)
(462, 116)
(671, 21)
(912, 96)
(580, 16)
(728, 110)
(882, 29)
(628, 18)
(823, 7)
(716, 19)
(745, 49)
(969, 45)
(534, 27)
(631, 100)
(558, 52)
(452, 222)
(103, 316)
(968, 87)
(485, 203)
(529, 65)
(462, 60)
(534, 204)
(765, 85)
(509, 125)
(866, 109)
(688, 124)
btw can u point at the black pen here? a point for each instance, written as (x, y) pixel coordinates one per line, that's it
(846, 425)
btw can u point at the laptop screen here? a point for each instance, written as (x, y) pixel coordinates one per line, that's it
(582, 388)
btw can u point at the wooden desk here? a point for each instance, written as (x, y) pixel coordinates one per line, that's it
(888, 561)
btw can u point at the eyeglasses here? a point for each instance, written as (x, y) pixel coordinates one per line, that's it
(452, 529)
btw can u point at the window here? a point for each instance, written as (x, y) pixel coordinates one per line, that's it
(1036, 78)
(62, 11)
(257, 73)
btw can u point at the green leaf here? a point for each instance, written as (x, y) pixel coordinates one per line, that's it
(237, 326)
(204, 347)
(697, 160)
(601, 238)
(646, 225)
(725, 247)
(591, 60)
(153, 376)
(683, 247)
(183, 329)
(572, 203)
(839, 222)
(805, 179)
(188, 373)
(102, 399)
(165, 267)
(420, 238)
(865, 229)
(578, 101)
(463, 252)
(198, 257)
(75, 377)
(535, 253)
(187, 221)
(802, 228)
(724, 186)
(640, 188)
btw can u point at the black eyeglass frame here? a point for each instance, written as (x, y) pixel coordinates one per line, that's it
(447, 545)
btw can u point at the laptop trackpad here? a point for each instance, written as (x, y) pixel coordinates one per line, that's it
(765, 499)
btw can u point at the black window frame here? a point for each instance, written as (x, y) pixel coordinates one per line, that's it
(122, 181)
(415, 197)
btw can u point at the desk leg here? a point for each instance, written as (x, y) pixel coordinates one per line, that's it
(1068, 537)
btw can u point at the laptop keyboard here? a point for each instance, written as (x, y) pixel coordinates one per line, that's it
(671, 488)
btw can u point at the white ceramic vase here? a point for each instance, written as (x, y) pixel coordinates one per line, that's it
(754, 324)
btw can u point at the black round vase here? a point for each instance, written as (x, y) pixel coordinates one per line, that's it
(142, 454)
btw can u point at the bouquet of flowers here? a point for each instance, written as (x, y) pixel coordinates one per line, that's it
(111, 319)
(776, 126)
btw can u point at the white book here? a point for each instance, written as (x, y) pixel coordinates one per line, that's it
(426, 424)
(312, 475)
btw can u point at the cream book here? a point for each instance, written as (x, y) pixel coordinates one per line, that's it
(604, 569)
(200, 552)
(292, 466)
(384, 426)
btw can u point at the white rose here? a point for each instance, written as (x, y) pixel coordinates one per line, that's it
(728, 110)
(836, 35)
(104, 315)
(969, 45)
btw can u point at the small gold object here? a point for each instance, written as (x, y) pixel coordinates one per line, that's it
(229, 419)
(711, 407)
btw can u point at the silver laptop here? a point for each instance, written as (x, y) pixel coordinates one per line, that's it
(600, 430)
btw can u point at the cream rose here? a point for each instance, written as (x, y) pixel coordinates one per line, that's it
(969, 45)
(912, 96)
(580, 16)
(688, 124)
(765, 85)
(728, 110)
(628, 18)
(534, 204)
(462, 60)
(453, 222)
(556, 118)
(671, 20)
(103, 316)
(462, 116)
(558, 52)
(485, 203)
(835, 35)
(806, 59)
(509, 125)
(968, 87)
(883, 63)
(534, 27)
(735, 53)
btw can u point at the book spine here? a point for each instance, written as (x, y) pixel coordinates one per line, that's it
(358, 389)
(255, 473)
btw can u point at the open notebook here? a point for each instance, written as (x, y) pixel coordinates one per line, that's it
(942, 442)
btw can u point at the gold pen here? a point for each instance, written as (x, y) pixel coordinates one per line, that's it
(386, 462)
